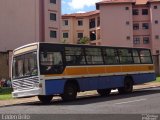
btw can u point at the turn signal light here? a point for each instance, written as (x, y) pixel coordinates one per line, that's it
(40, 85)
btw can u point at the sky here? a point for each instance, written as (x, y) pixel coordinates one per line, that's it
(78, 6)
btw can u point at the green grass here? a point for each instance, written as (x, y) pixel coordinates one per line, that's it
(5, 93)
(158, 79)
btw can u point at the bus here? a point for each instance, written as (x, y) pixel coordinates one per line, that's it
(48, 69)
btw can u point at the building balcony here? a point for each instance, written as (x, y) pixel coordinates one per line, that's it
(141, 32)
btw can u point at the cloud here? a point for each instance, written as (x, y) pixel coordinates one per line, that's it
(63, 2)
(80, 11)
(80, 4)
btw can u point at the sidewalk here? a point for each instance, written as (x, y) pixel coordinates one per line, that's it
(34, 99)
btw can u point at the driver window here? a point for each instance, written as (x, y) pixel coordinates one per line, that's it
(51, 62)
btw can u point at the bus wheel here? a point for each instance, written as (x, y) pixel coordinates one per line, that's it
(70, 92)
(128, 86)
(104, 92)
(45, 98)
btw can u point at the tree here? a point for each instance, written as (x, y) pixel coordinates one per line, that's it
(64, 41)
(84, 40)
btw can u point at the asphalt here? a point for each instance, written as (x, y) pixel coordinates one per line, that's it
(141, 101)
(142, 104)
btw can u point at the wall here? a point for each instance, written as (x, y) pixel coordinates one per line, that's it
(70, 29)
(155, 27)
(4, 65)
(114, 30)
(19, 23)
(50, 24)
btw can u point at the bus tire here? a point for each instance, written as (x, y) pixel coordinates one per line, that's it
(70, 92)
(104, 92)
(45, 98)
(128, 86)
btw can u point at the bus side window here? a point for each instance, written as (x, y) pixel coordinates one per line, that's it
(145, 56)
(110, 56)
(94, 56)
(51, 62)
(136, 56)
(74, 56)
(125, 56)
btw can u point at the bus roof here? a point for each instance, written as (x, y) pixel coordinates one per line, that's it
(86, 45)
(26, 47)
(62, 44)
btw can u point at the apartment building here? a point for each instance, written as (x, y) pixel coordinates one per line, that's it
(78, 25)
(27, 21)
(132, 23)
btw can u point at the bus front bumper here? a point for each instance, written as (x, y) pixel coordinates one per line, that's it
(27, 93)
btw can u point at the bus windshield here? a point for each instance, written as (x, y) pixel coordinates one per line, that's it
(25, 65)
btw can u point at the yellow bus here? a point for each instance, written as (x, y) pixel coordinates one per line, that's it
(48, 69)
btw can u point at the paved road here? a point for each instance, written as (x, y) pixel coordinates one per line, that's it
(139, 102)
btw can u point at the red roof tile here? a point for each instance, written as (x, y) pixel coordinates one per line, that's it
(154, 0)
(137, 2)
(116, 1)
(141, 2)
(82, 14)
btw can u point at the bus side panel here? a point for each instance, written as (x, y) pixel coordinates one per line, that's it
(54, 86)
(94, 83)
(143, 78)
(85, 84)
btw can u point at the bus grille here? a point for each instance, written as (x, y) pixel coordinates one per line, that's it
(25, 83)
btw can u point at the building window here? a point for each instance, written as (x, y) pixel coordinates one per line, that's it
(144, 11)
(135, 12)
(136, 40)
(93, 35)
(145, 40)
(80, 22)
(155, 7)
(135, 26)
(145, 26)
(53, 34)
(128, 38)
(156, 21)
(80, 35)
(53, 1)
(53, 16)
(65, 22)
(92, 23)
(157, 51)
(157, 37)
(126, 8)
(127, 22)
(65, 35)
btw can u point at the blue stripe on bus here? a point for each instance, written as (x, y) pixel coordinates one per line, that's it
(94, 83)
(143, 78)
(54, 86)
